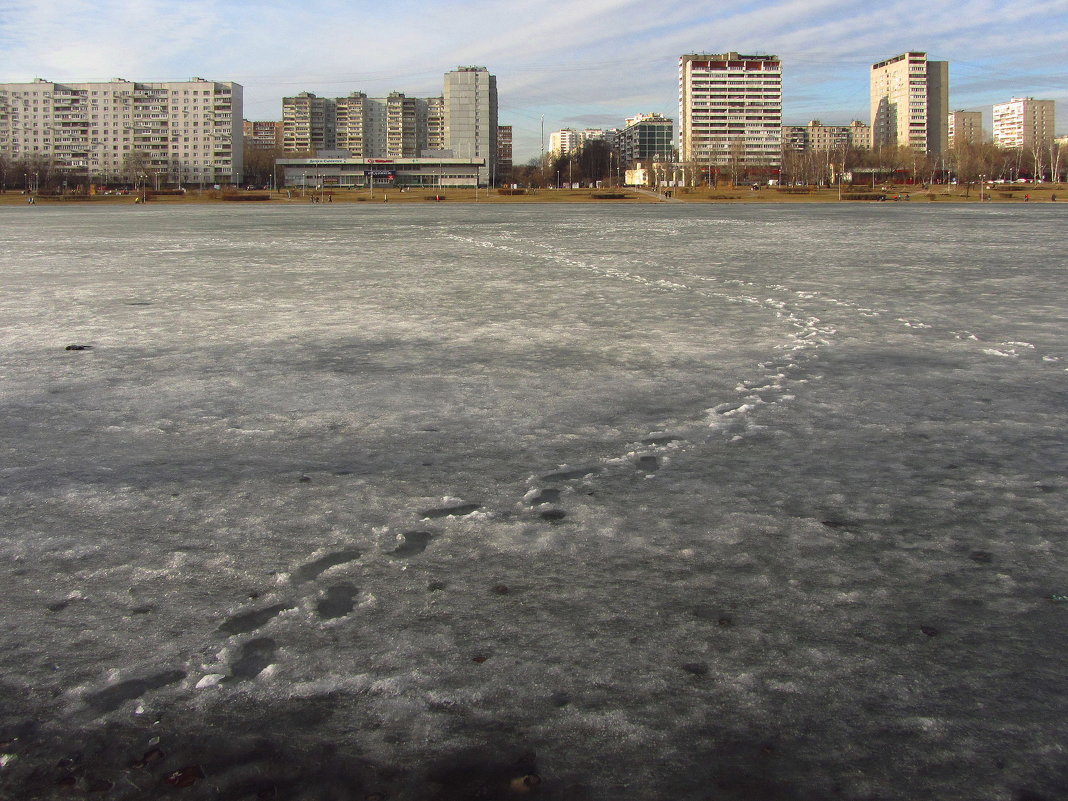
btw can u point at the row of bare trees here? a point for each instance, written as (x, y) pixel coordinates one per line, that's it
(39, 173)
(965, 163)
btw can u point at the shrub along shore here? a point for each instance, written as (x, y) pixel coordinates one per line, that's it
(1000, 193)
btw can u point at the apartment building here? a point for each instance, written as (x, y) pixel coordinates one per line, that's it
(570, 140)
(910, 102)
(1024, 122)
(964, 127)
(504, 150)
(730, 110)
(262, 135)
(819, 137)
(646, 137)
(398, 126)
(308, 123)
(470, 105)
(180, 131)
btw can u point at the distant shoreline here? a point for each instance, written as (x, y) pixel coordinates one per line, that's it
(1041, 193)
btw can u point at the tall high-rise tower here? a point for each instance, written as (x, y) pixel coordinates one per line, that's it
(470, 105)
(730, 110)
(910, 103)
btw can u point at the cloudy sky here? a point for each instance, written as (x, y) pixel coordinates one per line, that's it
(588, 63)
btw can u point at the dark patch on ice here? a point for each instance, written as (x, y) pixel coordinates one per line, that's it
(465, 778)
(415, 542)
(336, 602)
(323, 563)
(253, 659)
(982, 557)
(547, 495)
(457, 510)
(139, 303)
(650, 464)
(141, 610)
(553, 515)
(696, 668)
(721, 619)
(58, 606)
(436, 586)
(78, 347)
(111, 698)
(250, 621)
(930, 631)
(572, 473)
(97, 785)
(151, 756)
(185, 777)
(501, 589)
(1028, 795)
(837, 523)
(304, 479)
(560, 699)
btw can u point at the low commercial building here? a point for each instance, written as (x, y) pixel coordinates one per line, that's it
(347, 172)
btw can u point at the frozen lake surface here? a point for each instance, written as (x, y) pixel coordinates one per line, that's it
(659, 502)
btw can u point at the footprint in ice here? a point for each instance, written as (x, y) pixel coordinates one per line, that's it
(571, 473)
(322, 564)
(666, 439)
(650, 464)
(547, 495)
(415, 543)
(336, 602)
(250, 621)
(254, 658)
(111, 698)
(457, 510)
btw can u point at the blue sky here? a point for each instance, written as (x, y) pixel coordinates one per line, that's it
(590, 63)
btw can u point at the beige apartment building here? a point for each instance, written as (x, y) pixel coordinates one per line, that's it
(964, 127)
(174, 132)
(910, 102)
(1024, 122)
(819, 137)
(262, 135)
(308, 123)
(396, 126)
(730, 110)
